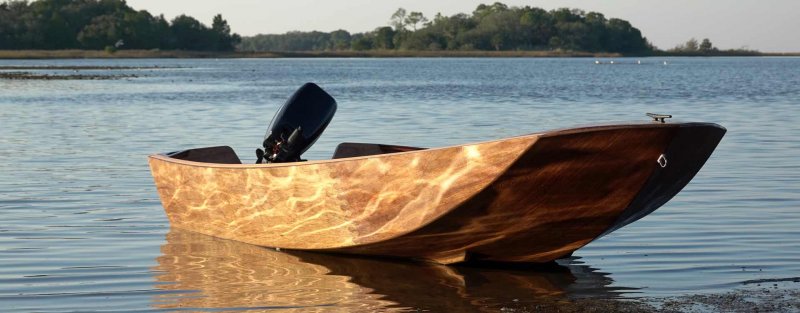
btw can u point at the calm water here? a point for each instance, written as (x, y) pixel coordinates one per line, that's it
(81, 226)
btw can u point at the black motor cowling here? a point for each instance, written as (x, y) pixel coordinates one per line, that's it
(297, 125)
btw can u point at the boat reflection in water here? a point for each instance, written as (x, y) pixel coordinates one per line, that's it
(199, 272)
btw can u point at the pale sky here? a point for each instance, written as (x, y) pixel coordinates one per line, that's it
(766, 25)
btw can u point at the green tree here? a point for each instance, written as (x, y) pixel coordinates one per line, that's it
(361, 42)
(415, 18)
(454, 29)
(566, 15)
(94, 24)
(384, 37)
(706, 46)
(622, 37)
(398, 20)
(497, 41)
(104, 30)
(140, 30)
(489, 27)
(483, 10)
(596, 33)
(189, 34)
(12, 25)
(424, 39)
(555, 42)
(691, 45)
(536, 27)
(573, 35)
(221, 34)
(340, 40)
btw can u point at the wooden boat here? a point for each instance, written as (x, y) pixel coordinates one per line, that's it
(532, 198)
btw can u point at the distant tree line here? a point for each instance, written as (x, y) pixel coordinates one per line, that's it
(489, 27)
(692, 47)
(105, 24)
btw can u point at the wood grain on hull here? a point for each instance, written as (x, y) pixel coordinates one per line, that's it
(562, 193)
(685, 155)
(328, 204)
(532, 198)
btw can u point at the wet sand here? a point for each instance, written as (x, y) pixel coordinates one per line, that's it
(769, 299)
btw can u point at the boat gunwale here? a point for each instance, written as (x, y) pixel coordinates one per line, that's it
(548, 133)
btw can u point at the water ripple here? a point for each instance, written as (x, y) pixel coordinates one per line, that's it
(82, 223)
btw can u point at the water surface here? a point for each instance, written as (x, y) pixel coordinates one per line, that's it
(82, 227)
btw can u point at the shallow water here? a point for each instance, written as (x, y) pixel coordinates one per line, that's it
(82, 227)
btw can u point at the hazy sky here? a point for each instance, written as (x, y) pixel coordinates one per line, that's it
(766, 25)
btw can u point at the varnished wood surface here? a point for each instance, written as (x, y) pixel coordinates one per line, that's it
(328, 204)
(561, 194)
(685, 155)
(531, 198)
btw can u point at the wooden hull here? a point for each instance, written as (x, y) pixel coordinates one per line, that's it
(532, 198)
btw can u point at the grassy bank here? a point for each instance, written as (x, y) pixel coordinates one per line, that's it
(140, 54)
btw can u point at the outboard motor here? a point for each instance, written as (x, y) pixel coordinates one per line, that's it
(297, 125)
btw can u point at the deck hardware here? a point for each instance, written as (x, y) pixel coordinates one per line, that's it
(659, 117)
(662, 160)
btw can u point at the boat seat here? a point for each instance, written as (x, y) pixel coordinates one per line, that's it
(351, 149)
(220, 155)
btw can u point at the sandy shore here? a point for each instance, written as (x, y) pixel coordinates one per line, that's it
(767, 299)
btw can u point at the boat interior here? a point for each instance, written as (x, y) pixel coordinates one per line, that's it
(226, 155)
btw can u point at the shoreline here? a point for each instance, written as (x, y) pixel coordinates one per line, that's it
(764, 299)
(181, 54)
